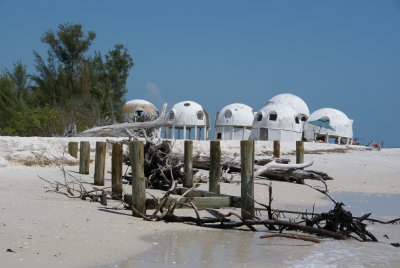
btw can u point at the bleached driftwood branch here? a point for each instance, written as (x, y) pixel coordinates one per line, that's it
(119, 130)
(274, 164)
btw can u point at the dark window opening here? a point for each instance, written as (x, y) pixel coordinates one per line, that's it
(297, 120)
(228, 114)
(219, 136)
(139, 113)
(324, 119)
(273, 117)
(171, 115)
(304, 118)
(187, 104)
(200, 115)
(259, 116)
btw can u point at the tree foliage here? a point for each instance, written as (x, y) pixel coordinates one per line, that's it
(69, 85)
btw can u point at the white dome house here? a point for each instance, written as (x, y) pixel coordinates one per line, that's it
(282, 118)
(135, 109)
(328, 123)
(277, 122)
(234, 122)
(190, 118)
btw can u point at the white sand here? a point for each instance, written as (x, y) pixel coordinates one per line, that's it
(50, 230)
(38, 150)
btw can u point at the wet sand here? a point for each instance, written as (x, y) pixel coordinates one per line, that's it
(245, 249)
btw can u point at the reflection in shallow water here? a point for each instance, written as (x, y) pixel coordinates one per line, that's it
(221, 248)
(379, 205)
(213, 248)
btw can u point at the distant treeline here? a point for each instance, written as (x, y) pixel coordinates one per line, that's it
(68, 87)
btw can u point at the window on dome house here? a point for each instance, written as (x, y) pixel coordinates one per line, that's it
(228, 114)
(297, 120)
(171, 115)
(200, 115)
(259, 116)
(273, 116)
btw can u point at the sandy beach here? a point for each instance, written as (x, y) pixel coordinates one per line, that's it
(39, 229)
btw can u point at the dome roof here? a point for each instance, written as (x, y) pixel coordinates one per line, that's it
(291, 100)
(235, 114)
(188, 113)
(134, 106)
(283, 111)
(338, 120)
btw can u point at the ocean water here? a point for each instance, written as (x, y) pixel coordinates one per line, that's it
(380, 205)
(233, 248)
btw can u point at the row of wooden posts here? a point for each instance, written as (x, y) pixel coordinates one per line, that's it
(136, 155)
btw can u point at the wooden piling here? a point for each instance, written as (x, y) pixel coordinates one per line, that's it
(277, 149)
(188, 164)
(116, 171)
(299, 152)
(247, 178)
(73, 148)
(84, 157)
(99, 163)
(136, 157)
(215, 167)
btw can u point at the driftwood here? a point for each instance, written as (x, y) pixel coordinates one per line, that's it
(274, 165)
(293, 236)
(227, 162)
(120, 130)
(273, 169)
(162, 173)
(73, 187)
(336, 223)
(159, 172)
(295, 175)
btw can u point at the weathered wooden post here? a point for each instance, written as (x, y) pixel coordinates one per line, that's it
(116, 171)
(73, 148)
(299, 152)
(215, 166)
(136, 157)
(84, 157)
(277, 149)
(247, 178)
(99, 163)
(188, 164)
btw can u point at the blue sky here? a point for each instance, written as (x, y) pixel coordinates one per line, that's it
(339, 54)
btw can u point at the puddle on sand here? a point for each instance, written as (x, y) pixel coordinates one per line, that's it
(221, 248)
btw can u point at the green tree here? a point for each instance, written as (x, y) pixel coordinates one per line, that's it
(69, 85)
(56, 80)
(69, 44)
(112, 74)
(47, 87)
(12, 103)
(8, 100)
(20, 78)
